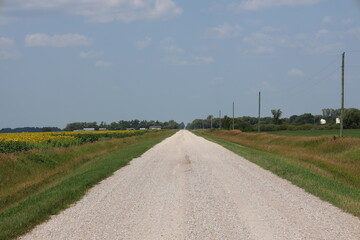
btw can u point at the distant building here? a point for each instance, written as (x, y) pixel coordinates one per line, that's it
(102, 129)
(129, 129)
(143, 128)
(322, 121)
(155, 127)
(89, 129)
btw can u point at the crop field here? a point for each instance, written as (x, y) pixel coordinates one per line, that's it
(315, 133)
(17, 142)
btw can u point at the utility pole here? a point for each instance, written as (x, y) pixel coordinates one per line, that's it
(233, 116)
(220, 119)
(259, 111)
(211, 121)
(342, 95)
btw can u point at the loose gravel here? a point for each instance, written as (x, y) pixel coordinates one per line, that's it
(189, 188)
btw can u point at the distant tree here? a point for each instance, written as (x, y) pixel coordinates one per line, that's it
(306, 118)
(171, 125)
(242, 125)
(181, 125)
(6, 130)
(276, 116)
(80, 125)
(250, 120)
(103, 125)
(293, 118)
(352, 118)
(196, 124)
(226, 122)
(143, 124)
(46, 129)
(208, 121)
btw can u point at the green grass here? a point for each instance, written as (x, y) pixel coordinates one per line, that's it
(335, 184)
(69, 186)
(332, 132)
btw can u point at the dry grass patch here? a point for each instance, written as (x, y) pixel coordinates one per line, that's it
(338, 158)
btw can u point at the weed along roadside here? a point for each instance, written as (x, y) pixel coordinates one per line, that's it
(323, 166)
(41, 182)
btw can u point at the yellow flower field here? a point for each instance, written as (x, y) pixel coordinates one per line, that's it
(14, 142)
(37, 137)
(32, 137)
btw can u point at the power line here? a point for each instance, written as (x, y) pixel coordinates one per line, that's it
(315, 74)
(306, 88)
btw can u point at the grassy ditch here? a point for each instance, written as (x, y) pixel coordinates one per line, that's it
(324, 167)
(314, 133)
(39, 183)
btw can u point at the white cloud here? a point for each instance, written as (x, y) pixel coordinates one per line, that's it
(143, 43)
(223, 31)
(260, 37)
(90, 54)
(66, 40)
(254, 5)
(189, 60)
(103, 64)
(295, 72)
(6, 42)
(320, 42)
(265, 42)
(168, 44)
(321, 33)
(327, 19)
(177, 55)
(107, 10)
(323, 47)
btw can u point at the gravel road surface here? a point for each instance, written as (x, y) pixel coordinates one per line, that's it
(189, 188)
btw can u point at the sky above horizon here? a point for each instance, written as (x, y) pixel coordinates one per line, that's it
(65, 61)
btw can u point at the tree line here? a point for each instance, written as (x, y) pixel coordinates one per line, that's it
(295, 122)
(120, 125)
(29, 129)
(123, 125)
(304, 121)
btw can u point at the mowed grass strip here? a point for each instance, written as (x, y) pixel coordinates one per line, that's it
(54, 190)
(324, 167)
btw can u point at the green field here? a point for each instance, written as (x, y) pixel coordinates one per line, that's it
(314, 133)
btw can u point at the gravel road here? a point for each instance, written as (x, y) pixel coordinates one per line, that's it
(189, 188)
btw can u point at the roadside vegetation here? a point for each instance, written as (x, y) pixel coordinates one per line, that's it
(38, 183)
(354, 133)
(325, 166)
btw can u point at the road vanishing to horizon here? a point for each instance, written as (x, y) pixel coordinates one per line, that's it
(189, 188)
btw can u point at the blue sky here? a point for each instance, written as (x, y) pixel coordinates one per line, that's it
(65, 61)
